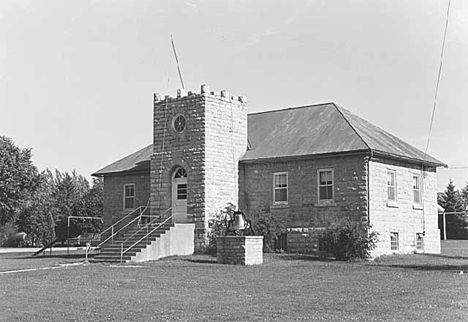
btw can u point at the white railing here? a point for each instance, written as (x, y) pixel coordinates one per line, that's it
(141, 209)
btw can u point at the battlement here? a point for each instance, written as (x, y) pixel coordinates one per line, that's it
(204, 91)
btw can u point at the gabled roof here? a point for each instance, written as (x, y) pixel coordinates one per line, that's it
(322, 129)
(137, 161)
(303, 131)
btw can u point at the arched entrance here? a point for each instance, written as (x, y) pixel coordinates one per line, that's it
(179, 194)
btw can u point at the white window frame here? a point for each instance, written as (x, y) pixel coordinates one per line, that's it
(125, 197)
(326, 185)
(394, 241)
(395, 186)
(418, 190)
(280, 202)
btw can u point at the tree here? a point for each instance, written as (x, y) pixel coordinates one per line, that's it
(18, 178)
(44, 215)
(38, 212)
(464, 196)
(452, 202)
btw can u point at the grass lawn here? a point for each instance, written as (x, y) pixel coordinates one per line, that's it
(286, 287)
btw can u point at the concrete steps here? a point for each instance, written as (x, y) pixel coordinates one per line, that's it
(110, 252)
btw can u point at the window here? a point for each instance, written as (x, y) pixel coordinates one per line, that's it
(178, 123)
(280, 185)
(419, 241)
(325, 185)
(394, 241)
(181, 191)
(391, 186)
(416, 190)
(180, 173)
(129, 196)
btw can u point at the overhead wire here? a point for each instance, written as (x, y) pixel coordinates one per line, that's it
(438, 76)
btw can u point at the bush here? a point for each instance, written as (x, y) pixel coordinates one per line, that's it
(265, 225)
(348, 240)
(7, 231)
(218, 226)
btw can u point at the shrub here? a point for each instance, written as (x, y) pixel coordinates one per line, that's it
(348, 240)
(7, 231)
(265, 225)
(218, 226)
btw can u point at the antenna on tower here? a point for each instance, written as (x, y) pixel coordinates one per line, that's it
(177, 61)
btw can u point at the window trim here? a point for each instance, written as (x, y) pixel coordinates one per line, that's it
(128, 197)
(332, 185)
(419, 202)
(392, 202)
(281, 202)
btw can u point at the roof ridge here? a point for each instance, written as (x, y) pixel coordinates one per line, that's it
(291, 108)
(352, 127)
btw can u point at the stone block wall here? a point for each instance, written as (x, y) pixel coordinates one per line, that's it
(403, 217)
(114, 194)
(303, 209)
(209, 148)
(225, 144)
(241, 250)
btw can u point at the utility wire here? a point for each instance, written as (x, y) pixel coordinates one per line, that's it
(438, 77)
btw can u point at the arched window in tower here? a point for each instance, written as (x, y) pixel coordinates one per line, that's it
(180, 173)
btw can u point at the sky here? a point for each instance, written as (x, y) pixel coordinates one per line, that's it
(77, 77)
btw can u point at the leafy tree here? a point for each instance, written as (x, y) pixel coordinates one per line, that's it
(44, 215)
(452, 202)
(38, 213)
(18, 178)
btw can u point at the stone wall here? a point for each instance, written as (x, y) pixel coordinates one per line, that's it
(114, 194)
(303, 209)
(241, 250)
(403, 217)
(209, 148)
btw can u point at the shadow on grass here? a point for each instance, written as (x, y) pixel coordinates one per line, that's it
(202, 261)
(427, 267)
(448, 257)
(71, 256)
(303, 257)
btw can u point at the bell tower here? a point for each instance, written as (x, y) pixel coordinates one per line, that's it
(198, 139)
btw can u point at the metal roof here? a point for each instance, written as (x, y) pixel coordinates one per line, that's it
(134, 162)
(322, 129)
(303, 131)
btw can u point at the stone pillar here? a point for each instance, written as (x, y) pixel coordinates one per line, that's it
(240, 250)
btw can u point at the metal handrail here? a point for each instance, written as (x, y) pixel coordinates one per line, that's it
(122, 251)
(146, 226)
(119, 221)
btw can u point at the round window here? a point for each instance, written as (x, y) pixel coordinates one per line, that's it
(179, 123)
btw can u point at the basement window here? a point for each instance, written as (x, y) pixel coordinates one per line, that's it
(280, 188)
(419, 241)
(129, 196)
(394, 241)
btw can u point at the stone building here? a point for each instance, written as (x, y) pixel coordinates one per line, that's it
(305, 165)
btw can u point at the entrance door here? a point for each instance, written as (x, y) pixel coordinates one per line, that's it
(179, 194)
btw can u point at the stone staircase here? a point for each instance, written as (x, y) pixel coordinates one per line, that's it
(110, 252)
